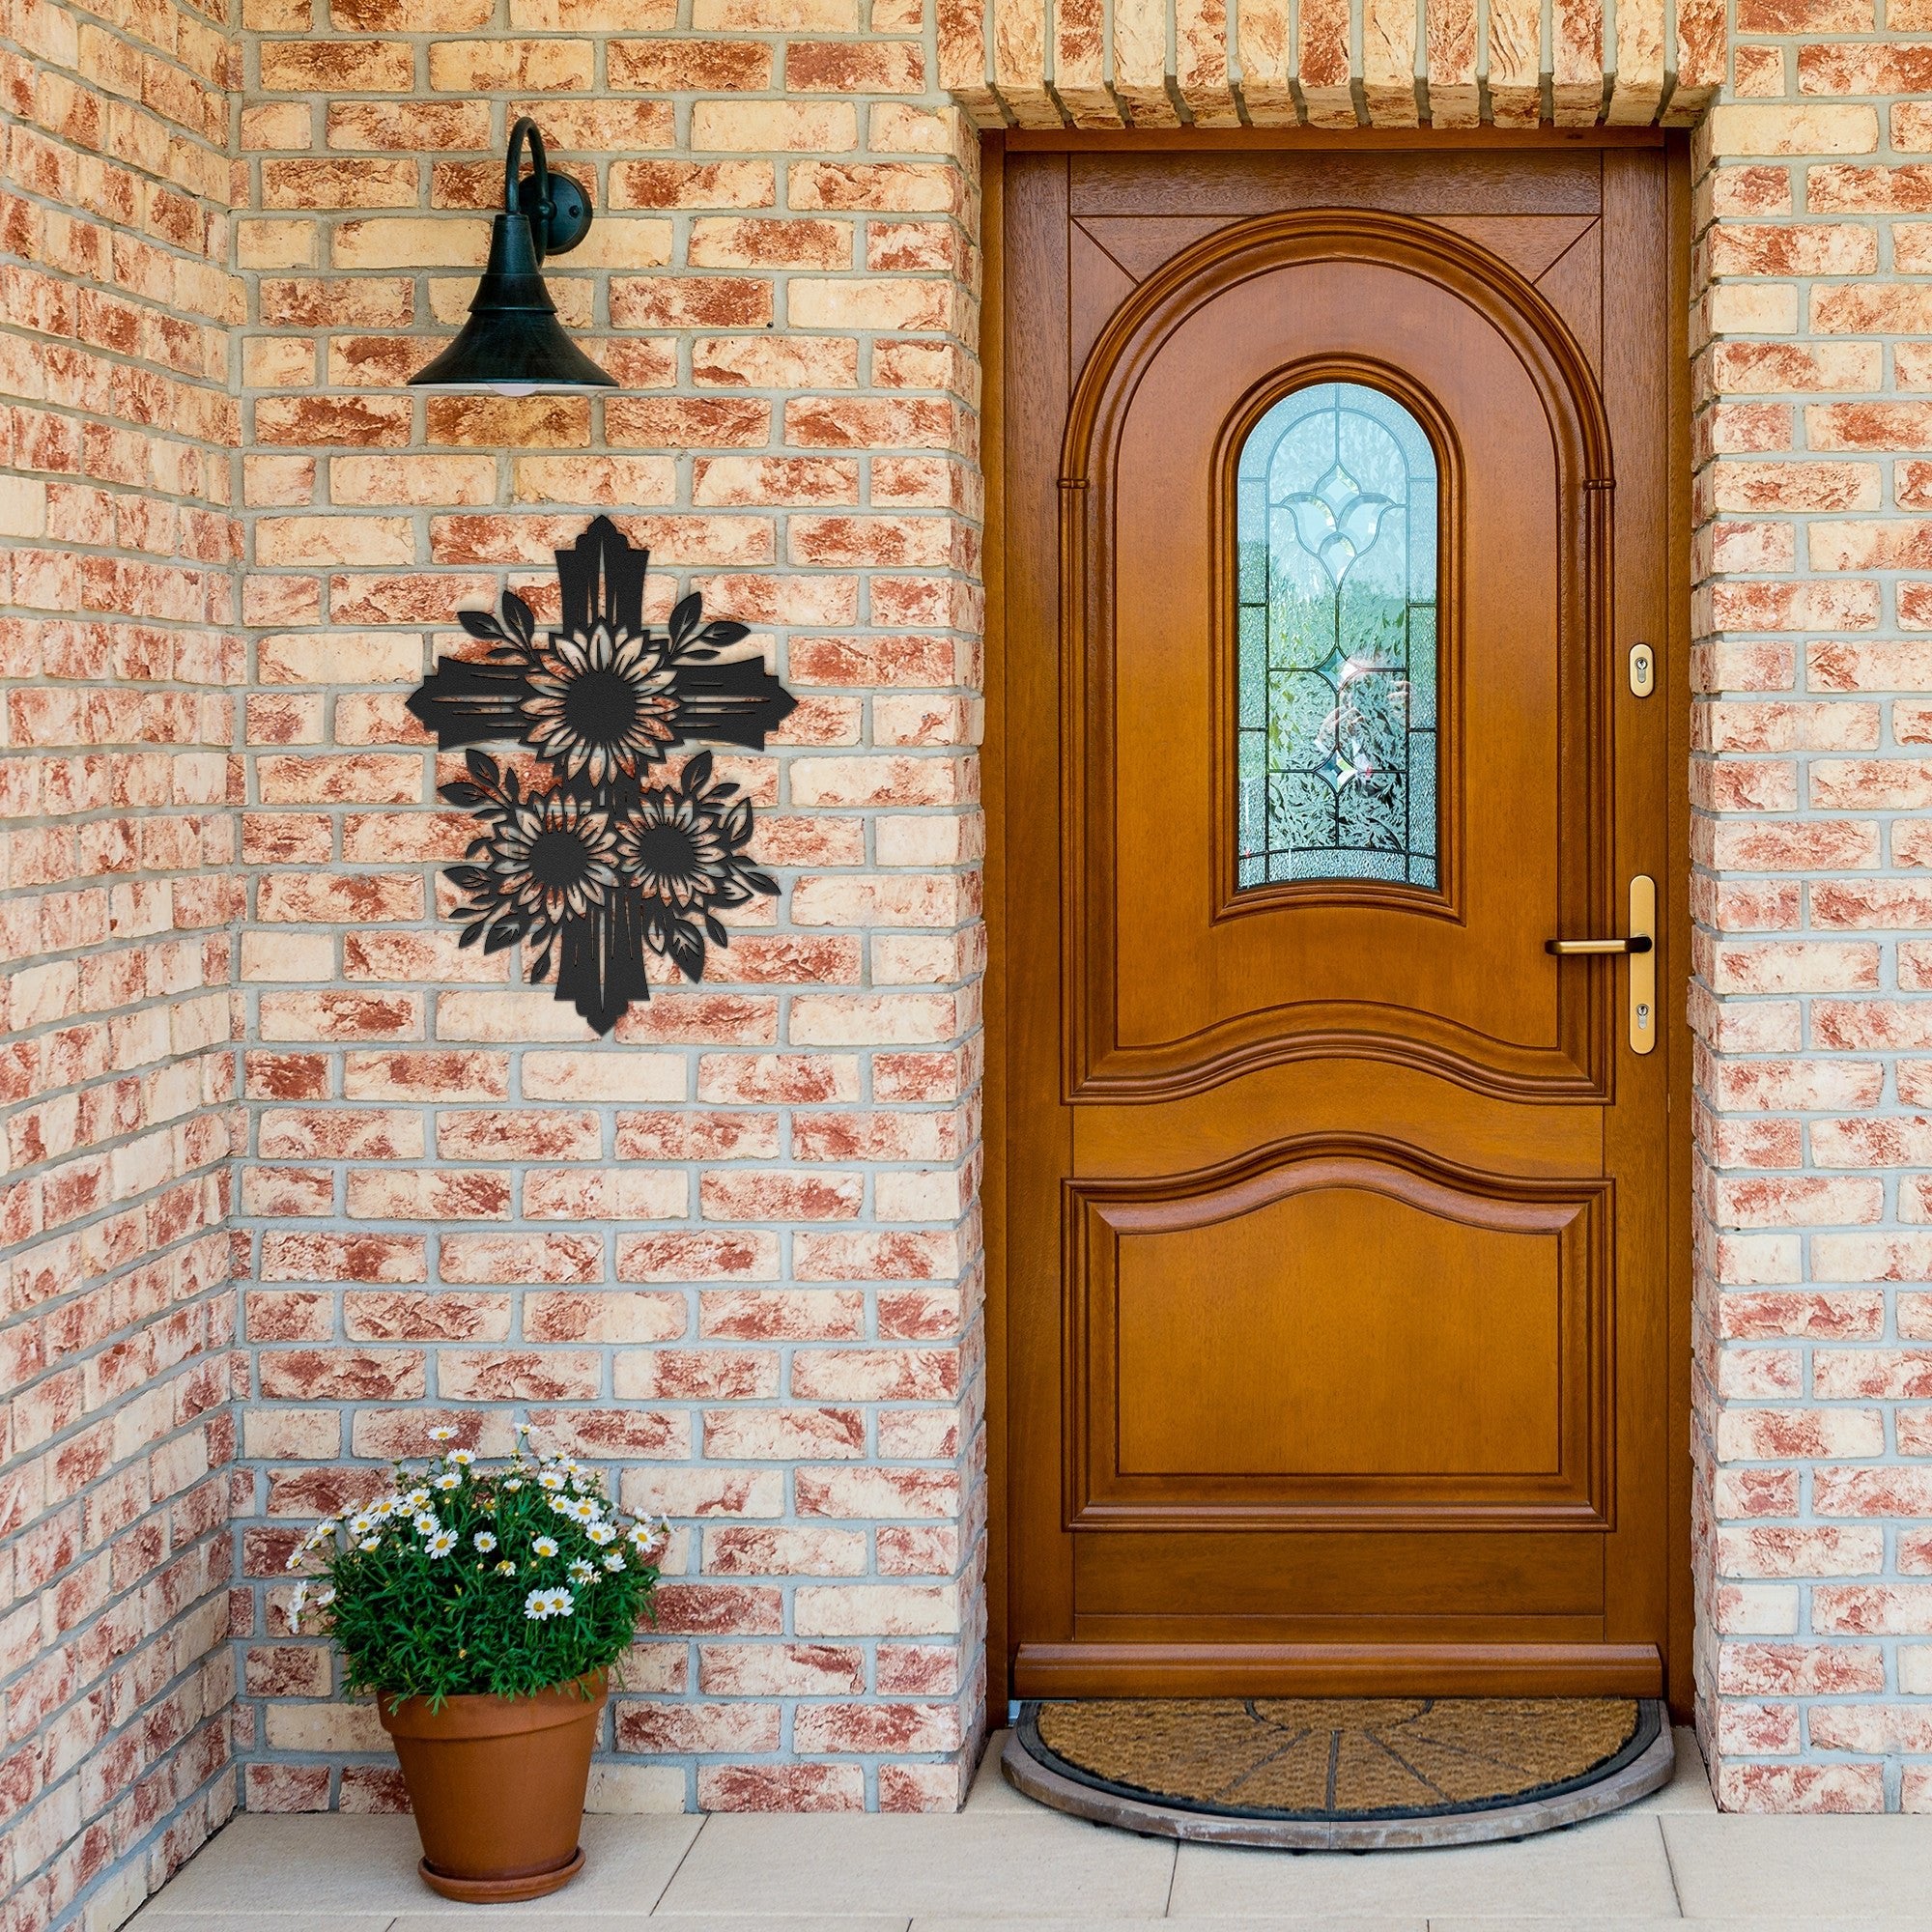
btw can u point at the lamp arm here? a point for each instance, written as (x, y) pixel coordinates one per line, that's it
(524, 130)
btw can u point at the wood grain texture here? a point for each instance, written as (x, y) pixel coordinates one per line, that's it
(1340, 1669)
(1482, 1020)
(1125, 1574)
(1443, 1377)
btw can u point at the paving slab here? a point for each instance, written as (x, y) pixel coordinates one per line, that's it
(1690, 1786)
(558, 1914)
(272, 1868)
(993, 1864)
(1612, 1868)
(255, 1922)
(1815, 1870)
(1568, 1923)
(289, 1865)
(990, 1790)
(1326, 1922)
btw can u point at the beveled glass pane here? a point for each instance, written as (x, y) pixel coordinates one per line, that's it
(1337, 674)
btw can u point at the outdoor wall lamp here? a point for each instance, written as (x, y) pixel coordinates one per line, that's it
(512, 343)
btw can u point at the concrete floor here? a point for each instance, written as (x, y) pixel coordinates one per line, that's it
(1666, 1861)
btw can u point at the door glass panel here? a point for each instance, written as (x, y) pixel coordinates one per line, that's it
(1337, 598)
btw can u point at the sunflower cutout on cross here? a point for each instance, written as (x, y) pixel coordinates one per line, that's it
(600, 866)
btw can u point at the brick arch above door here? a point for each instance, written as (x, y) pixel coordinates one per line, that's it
(1331, 64)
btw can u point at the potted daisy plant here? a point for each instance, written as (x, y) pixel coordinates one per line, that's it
(484, 1608)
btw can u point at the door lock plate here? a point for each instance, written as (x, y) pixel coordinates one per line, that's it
(1642, 670)
(1643, 964)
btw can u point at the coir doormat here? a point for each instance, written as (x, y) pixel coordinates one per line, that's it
(1341, 1772)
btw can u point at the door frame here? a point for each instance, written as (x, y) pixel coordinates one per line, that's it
(1675, 690)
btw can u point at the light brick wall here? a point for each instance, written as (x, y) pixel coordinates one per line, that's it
(1811, 784)
(118, 897)
(1332, 64)
(733, 1253)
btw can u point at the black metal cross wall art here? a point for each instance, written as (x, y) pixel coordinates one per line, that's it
(597, 866)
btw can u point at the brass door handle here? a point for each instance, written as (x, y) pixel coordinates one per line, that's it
(1641, 947)
(1570, 948)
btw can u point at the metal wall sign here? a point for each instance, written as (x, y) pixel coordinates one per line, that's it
(608, 855)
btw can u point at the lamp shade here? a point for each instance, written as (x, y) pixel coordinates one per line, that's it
(512, 343)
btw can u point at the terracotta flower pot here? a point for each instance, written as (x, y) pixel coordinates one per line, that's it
(498, 1787)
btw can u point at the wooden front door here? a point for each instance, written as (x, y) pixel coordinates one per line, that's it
(1339, 1230)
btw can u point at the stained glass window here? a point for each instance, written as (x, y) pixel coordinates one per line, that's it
(1336, 526)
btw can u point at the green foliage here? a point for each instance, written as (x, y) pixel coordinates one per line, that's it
(463, 1579)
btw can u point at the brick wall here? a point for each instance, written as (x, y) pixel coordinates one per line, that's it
(1811, 784)
(732, 1253)
(117, 899)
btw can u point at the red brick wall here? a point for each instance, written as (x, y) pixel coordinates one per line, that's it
(732, 1253)
(117, 906)
(1809, 785)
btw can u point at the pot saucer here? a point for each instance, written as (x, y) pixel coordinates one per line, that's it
(506, 1891)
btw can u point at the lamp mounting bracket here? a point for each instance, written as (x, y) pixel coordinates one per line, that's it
(558, 209)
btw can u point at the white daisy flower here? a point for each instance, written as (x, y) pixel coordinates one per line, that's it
(450, 1479)
(461, 1458)
(581, 1572)
(324, 1597)
(614, 1561)
(544, 1545)
(370, 1542)
(514, 1483)
(426, 1523)
(601, 1533)
(485, 1541)
(415, 1498)
(441, 1542)
(387, 1507)
(361, 1523)
(444, 1435)
(541, 1605)
(551, 1480)
(506, 1568)
(583, 1509)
